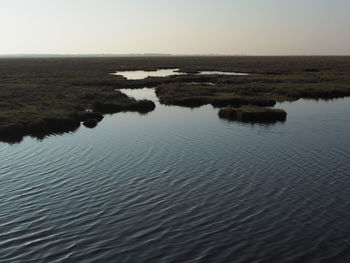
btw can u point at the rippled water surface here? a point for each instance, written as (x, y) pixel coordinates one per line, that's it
(181, 185)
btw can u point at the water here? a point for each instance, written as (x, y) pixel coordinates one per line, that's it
(141, 74)
(182, 185)
(222, 73)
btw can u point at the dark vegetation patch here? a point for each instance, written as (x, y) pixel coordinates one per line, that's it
(253, 114)
(51, 95)
(141, 106)
(90, 123)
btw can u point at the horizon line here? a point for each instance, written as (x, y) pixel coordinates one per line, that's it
(162, 55)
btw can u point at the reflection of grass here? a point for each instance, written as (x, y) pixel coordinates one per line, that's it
(33, 90)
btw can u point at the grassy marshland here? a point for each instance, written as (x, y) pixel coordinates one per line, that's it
(48, 95)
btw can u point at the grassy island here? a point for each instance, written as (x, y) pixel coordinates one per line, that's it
(253, 114)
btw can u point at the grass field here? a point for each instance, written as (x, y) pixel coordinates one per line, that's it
(39, 96)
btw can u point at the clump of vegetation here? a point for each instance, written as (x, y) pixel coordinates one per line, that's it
(219, 96)
(141, 106)
(253, 114)
(90, 123)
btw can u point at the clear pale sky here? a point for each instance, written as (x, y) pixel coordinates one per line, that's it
(251, 27)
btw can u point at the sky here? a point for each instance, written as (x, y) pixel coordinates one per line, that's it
(231, 27)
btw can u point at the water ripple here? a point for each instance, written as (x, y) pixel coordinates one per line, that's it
(180, 185)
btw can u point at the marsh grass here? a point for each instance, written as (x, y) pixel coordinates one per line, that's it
(253, 114)
(35, 90)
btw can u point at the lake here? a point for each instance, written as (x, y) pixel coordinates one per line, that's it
(182, 185)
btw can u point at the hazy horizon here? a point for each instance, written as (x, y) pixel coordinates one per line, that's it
(193, 27)
(165, 55)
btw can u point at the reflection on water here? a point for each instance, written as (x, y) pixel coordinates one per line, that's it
(181, 185)
(141, 94)
(141, 74)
